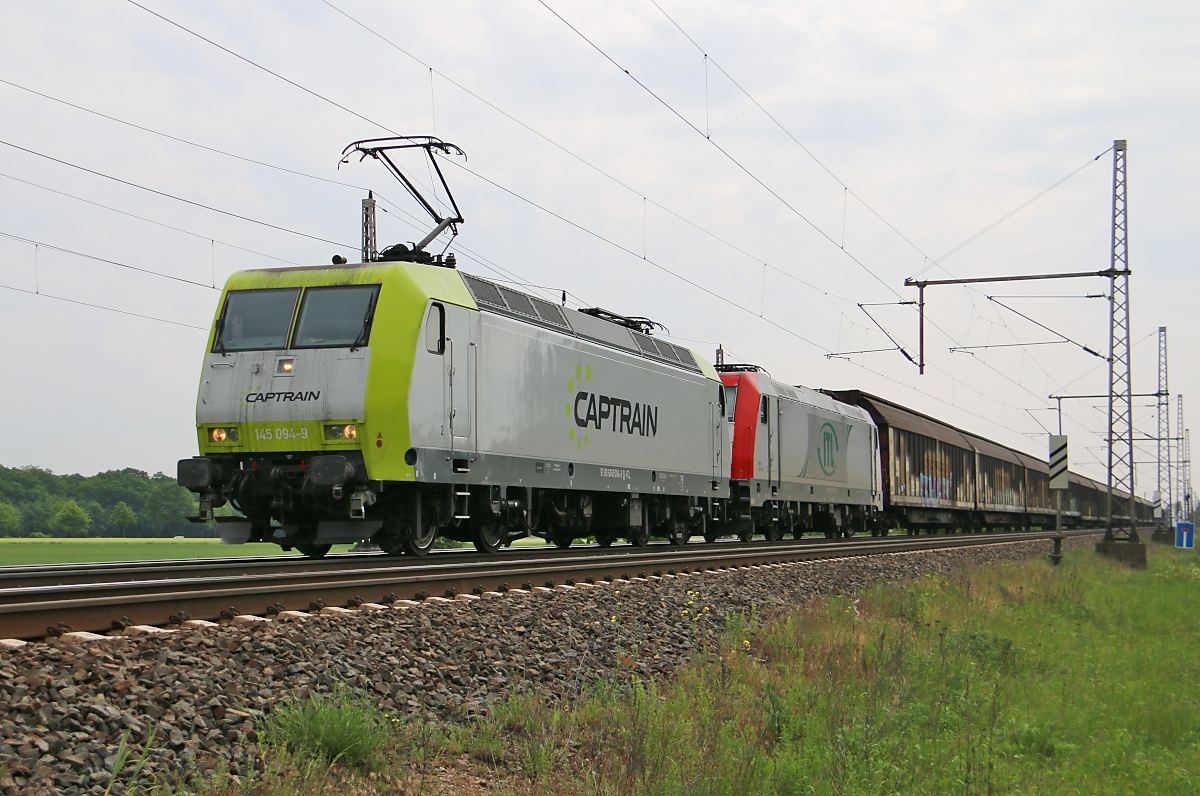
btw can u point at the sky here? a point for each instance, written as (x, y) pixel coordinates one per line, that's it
(746, 174)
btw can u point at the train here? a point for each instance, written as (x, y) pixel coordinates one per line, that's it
(401, 400)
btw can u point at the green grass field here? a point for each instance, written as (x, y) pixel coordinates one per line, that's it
(1016, 678)
(15, 552)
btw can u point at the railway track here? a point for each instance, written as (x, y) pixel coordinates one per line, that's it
(40, 601)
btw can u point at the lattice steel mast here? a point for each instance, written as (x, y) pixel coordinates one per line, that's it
(1180, 475)
(1187, 474)
(1165, 503)
(1120, 388)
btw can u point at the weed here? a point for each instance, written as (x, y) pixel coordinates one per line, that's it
(334, 728)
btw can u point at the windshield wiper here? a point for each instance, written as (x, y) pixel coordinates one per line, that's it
(368, 316)
(219, 345)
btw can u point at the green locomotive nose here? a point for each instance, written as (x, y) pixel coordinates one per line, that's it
(304, 385)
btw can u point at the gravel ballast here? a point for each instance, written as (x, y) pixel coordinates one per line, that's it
(64, 707)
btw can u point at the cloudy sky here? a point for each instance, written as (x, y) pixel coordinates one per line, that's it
(820, 154)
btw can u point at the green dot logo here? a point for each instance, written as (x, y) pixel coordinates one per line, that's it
(582, 373)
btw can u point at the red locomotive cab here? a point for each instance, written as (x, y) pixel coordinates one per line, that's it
(745, 396)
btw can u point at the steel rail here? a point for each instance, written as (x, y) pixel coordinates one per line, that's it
(77, 574)
(28, 613)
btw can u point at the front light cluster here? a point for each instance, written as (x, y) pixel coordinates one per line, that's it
(229, 434)
(347, 431)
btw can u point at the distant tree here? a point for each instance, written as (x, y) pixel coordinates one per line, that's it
(167, 506)
(70, 520)
(121, 518)
(10, 519)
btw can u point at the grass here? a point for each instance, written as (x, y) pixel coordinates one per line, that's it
(334, 728)
(1017, 678)
(15, 552)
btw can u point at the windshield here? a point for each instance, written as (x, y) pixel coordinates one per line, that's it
(256, 319)
(332, 317)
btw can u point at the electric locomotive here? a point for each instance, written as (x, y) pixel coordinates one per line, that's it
(395, 401)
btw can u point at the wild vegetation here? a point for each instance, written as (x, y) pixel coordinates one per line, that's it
(1012, 678)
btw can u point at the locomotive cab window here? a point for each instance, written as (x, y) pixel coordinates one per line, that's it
(336, 317)
(730, 401)
(765, 411)
(435, 329)
(255, 320)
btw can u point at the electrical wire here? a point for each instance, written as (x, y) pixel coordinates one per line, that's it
(110, 262)
(177, 139)
(709, 59)
(574, 224)
(102, 307)
(172, 196)
(723, 151)
(147, 220)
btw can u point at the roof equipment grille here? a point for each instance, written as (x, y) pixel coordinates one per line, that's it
(506, 299)
(514, 302)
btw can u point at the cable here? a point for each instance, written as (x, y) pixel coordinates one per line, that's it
(176, 198)
(616, 180)
(263, 68)
(181, 140)
(147, 220)
(1009, 214)
(1047, 328)
(102, 307)
(578, 226)
(720, 149)
(110, 262)
(709, 59)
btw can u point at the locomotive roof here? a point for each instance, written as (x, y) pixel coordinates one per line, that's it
(503, 300)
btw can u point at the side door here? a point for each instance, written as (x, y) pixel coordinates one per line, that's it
(461, 365)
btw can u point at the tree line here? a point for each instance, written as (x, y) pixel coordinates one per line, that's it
(36, 502)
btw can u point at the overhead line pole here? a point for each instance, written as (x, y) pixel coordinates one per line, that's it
(1165, 504)
(1120, 388)
(1120, 382)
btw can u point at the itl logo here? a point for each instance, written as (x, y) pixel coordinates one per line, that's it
(827, 449)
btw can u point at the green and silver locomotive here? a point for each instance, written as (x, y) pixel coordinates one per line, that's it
(396, 401)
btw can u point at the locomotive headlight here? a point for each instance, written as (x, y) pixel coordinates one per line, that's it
(285, 367)
(217, 435)
(346, 431)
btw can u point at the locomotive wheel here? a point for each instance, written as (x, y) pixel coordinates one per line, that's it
(746, 532)
(605, 538)
(487, 536)
(419, 545)
(314, 550)
(639, 537)
(773, 532)
(562, 541)
(710, 538)
(797, 530)
(390, 545)
(678, 535)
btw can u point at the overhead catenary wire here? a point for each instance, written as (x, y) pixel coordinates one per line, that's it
(729, 156)
(44, 245)
(42, 294)
(176, 198)
(845, 188)
(382, 126)
(147, 220)
(753, 176)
